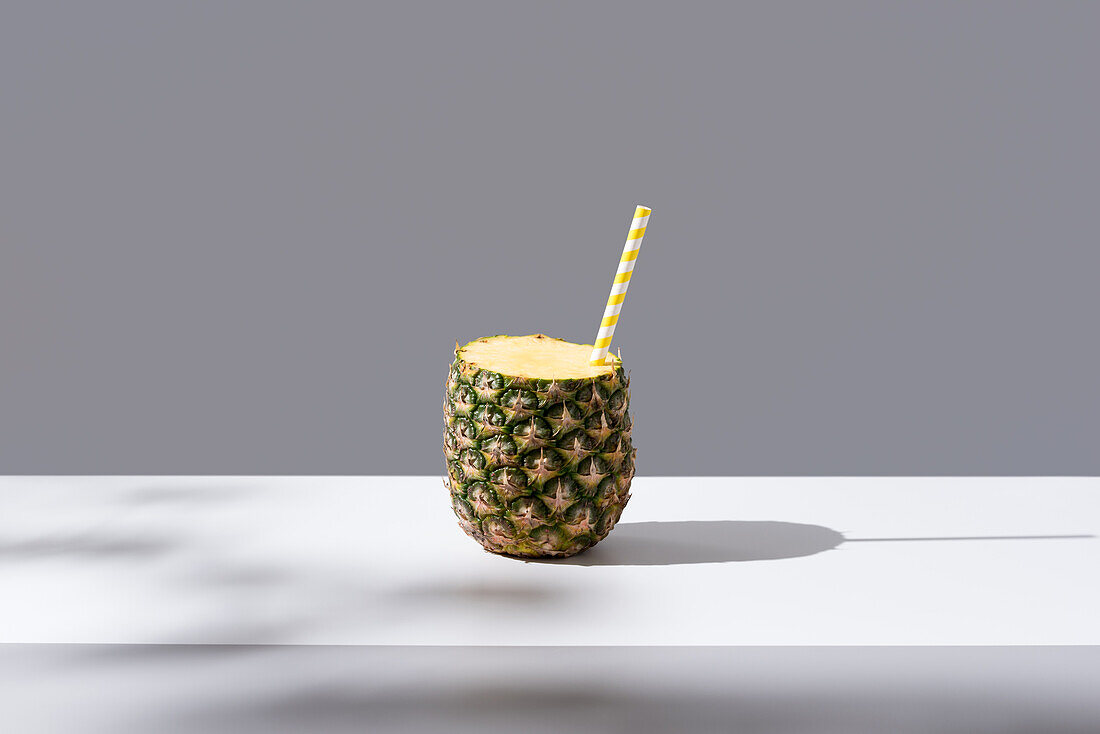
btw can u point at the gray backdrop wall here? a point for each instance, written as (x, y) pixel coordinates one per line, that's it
(243, 237)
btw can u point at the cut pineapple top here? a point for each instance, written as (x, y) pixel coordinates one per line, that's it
(533, 356)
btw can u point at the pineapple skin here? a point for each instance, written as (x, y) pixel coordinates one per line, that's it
(537, 468)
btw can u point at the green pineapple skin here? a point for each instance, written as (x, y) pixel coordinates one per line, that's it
(537, 468)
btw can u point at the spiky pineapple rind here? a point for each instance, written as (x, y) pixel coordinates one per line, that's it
(537, 467)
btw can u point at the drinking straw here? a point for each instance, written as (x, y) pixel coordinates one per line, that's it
(619, 285)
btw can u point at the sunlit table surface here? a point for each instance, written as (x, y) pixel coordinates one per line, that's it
(250, 605)
(694, 561)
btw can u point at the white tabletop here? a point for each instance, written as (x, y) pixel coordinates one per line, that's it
(694, 561)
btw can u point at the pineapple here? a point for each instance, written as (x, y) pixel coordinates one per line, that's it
(537, 442)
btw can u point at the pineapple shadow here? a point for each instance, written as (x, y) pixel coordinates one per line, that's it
(705, 541)
(732, 541)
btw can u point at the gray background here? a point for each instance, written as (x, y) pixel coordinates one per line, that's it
(243, 237)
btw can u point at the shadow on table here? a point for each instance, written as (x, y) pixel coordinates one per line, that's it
(491, 690)
(700, 541)
(725, 541)
(564, 709)
(87, 546)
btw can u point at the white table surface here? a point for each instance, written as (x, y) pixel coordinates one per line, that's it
(694, 561)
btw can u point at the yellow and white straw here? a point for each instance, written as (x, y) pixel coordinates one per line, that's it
(619, 285)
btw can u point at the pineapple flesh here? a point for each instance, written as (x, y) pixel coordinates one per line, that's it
(537, 443)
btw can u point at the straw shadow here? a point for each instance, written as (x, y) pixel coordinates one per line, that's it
(1077, 536)
(713, 541)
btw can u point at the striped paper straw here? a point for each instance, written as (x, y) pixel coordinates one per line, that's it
(619, 285)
